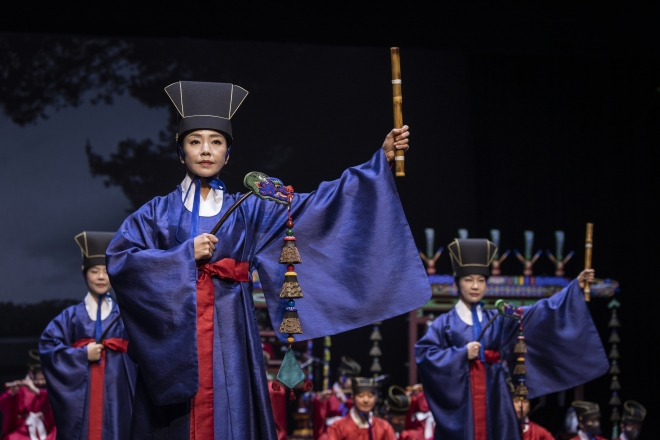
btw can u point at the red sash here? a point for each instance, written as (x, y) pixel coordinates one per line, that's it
(97, 370)
(479, 393)
(201, 406)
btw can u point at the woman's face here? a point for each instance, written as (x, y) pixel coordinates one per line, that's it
(206, 152)
(472, 288)
(97, 280)
(365, 401)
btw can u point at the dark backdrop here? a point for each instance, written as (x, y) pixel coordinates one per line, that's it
(536, 117)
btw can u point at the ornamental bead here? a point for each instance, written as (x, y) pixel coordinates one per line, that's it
(289, 232)
(291, 303)
(290, 339)
(290, 268)
(289, 224)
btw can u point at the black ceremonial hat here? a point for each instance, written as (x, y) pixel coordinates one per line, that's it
(348, 367)
(34, 356)
(361, 384)
(93, 246)
(633, 412)
(205, 105)
(471, 256)
(586, 410)
(397, 402)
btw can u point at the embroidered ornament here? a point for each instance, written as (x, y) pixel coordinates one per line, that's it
(290, 374)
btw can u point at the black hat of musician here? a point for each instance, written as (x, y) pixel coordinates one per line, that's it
(397, 401)
(471, 256)
(633, 412)
(93, 246)
(34, 356)
(585, 410)
(205, 106)
(348, 367)
(362, 384)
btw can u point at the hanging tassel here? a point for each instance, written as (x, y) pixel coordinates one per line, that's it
(615, 417)
(614, 321)
(614, 369)
(375, 350)
(292, 395)
(291, 288)
(308, 385)
(615, 385)
(615, 400)
(290, 253)
(614, 337)
(521, 390)
(614, 352)
(291, 324)
(520, 367)
(275, 385)
(375, 366)
(520, 347)
(375, 335)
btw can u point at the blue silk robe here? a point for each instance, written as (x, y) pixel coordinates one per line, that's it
(67, 372)
(563, 351)
(360, 265)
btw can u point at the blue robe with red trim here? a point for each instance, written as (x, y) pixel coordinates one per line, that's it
(360, 265)
(559, 334)
(67, 372)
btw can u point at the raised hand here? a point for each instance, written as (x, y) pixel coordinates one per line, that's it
(396, 139)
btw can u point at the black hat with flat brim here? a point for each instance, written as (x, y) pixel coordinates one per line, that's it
(471, 256)
(93, 246)
(363, 384)
(205, 106)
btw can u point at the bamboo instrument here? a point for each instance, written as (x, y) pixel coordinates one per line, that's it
(397, 100)
(588, 246)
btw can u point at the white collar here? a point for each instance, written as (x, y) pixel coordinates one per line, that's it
(465, 313)
(92, 307)
(207, 208)
(361, 424)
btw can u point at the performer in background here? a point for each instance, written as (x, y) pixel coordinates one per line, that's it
(531, 430)
(464, 382)
(24, 409)
(420, 417)
(331, 405)
(397, 404)
(278, 399)
(183, 291)
(90, 378)
(360, 423)
(631, 420)
(588, 416)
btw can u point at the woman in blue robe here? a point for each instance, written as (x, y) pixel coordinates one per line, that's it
(198, 349)
(90, 379)
(464, 379)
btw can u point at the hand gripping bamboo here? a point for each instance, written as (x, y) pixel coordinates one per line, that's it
(397, 100)
(588, 246)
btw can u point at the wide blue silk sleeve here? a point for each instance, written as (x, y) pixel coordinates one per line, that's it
(359, 265)
(156, 293)
(564, 349)
(445, 372)
(66, 370)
